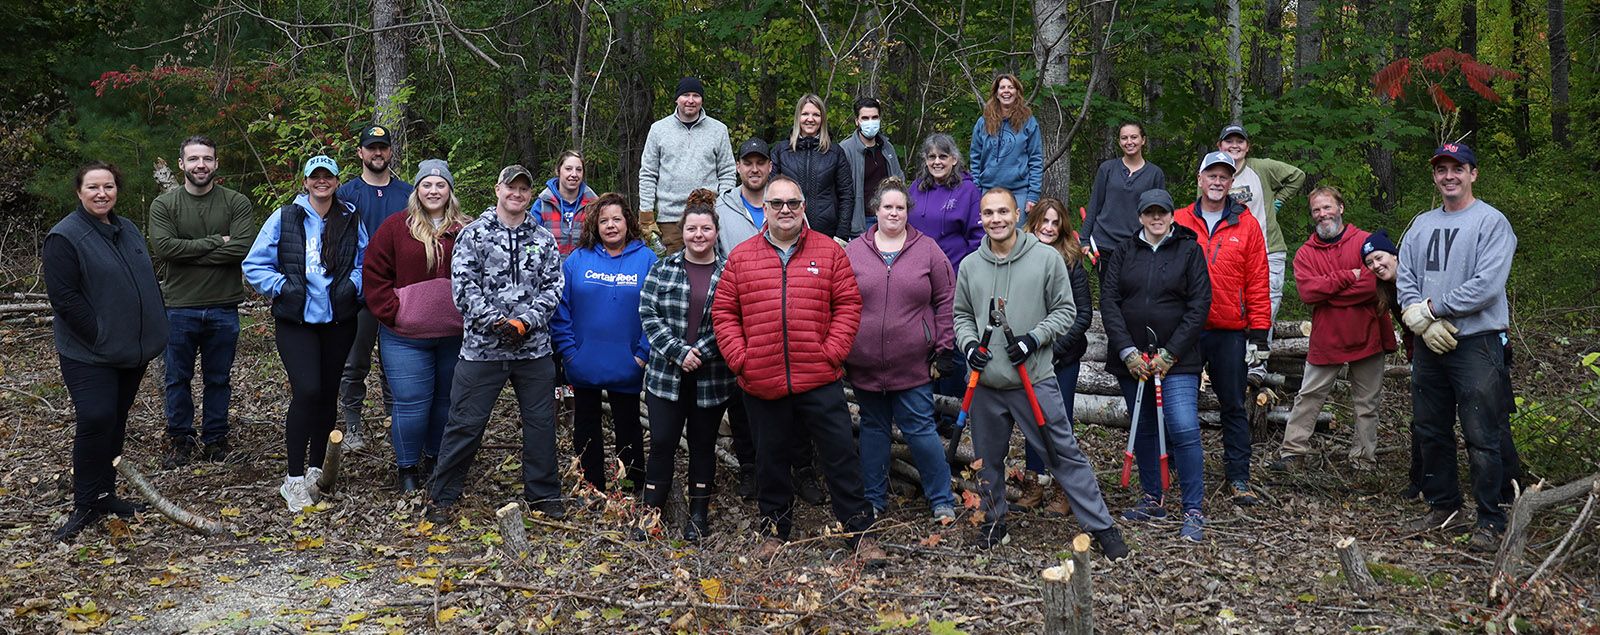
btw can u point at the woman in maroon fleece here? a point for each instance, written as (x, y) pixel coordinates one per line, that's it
(406, 276)
(906, 325)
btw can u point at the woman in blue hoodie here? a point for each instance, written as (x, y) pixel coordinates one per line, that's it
(307, 258)
(597, 332)
(1006, 147)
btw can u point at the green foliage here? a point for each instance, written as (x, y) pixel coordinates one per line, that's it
(315, 124)
(1559, 439)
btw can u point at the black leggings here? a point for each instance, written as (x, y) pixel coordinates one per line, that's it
(667, 421)
(101, 398)
(588, 442)
(313, 356)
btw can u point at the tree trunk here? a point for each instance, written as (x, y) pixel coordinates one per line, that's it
(1052, 51)
(1103, 68)
(1520, 125)
(389, 66)
(519, 94)
(576, 113)
(1235, 65)
(1307, 41)
(1469, 45)
(875, 47)
(636, 99)
(1560, 71)
(1380, 156)
(1271, 53)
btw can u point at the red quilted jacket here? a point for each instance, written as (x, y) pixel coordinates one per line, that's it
(786, 330)
(1236, 259)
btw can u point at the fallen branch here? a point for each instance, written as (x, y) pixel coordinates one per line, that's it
(328, 483)
(638, 605)
(161, 504)
(1503, 578)
(1532, 501)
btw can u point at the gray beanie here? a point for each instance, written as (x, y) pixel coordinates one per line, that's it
(434, 167)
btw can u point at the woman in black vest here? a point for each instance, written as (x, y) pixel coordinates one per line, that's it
(307, 258)
(110, 322)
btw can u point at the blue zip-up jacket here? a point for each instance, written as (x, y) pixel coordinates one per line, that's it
(1011, 159)
(261, 264)
(596, 328)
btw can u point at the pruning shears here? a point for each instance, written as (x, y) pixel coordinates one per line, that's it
(1161, 414)
(1094, 247)
(998, 316)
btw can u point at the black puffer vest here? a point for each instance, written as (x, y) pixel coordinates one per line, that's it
(290, 304)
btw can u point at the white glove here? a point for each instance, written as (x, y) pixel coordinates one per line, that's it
(1440, 337)
(1418, 317)
(1255, 355)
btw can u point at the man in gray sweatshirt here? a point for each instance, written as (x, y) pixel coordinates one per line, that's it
(685, 151)
(1454, 262)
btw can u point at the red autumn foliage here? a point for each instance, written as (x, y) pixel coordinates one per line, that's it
(1431, 71)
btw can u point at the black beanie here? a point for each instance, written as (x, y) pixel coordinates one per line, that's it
(1378, 241)
(689, 85)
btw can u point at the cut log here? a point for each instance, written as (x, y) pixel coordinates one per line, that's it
(1060, 606)
(184, 517)
(1112, 412)
(512, 531)
(1287, 329)
(1534, 500)
(1082, 581)
(1291, 347)
(328, 483)
(39, 307)
(1354, 564)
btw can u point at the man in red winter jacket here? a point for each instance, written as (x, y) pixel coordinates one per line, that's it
(786, 313)
(1347, 327)
(1241, 308)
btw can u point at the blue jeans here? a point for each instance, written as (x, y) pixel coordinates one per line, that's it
(1224, 357)
(1180, 401)
(213, 333)
(1467, 383)
(419, 372)
(912, 411)
(1067, 379)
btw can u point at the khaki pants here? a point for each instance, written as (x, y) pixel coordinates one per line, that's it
(1366, 381)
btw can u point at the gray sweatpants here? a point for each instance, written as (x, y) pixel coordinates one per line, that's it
(993, 413)
(473, 392)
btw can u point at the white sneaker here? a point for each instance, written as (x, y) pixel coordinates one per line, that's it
(353, 441)
(295, 493)
(313, 483)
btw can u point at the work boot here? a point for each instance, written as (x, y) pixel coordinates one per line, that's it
(216, 451)
(79, 520)
(552, 508)
(1411, 493)
(746, 489)
(1032, 491)
(353, 441)
(407, 479)
(808, 487)
(180, 453)
(1437, 519)
(437, 514)
(1056, 503)
(1288, 463)
(1484, 540)
(1242, 495)
(1111, 543)
(699, 525)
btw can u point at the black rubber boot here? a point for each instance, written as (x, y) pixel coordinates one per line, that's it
(110, 504)
(699, 525)
(407, 479)
(746, 489)
(180, 453)
(80, 519)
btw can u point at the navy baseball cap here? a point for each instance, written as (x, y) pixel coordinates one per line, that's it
(1458, 151)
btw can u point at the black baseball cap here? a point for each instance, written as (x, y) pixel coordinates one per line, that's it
(373, 135)
(1233, 129)
(754, 146)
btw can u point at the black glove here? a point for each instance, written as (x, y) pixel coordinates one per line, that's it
(1257, 337)
(512, 332)
(944, 362)
(1020, 349)
(977, 358)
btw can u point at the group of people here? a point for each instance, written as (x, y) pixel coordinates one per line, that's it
(763, 285)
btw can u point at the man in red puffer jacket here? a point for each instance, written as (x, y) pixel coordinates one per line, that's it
(786, 313)
(1241, 308)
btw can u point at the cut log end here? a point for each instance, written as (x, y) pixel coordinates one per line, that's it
(1080, 543)
(1060, 573)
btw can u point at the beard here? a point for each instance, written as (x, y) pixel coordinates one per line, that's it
(1328, 230)
(199, 182)
(376, 164)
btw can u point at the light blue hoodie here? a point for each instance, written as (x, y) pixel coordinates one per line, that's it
(1011, 159)
(261, 264)
(596, 328)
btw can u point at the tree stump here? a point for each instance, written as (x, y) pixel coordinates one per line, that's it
(1354, 564)
(1082, 582)
(512, 531)
(161, 504)
(328, 483)
(1061, 604)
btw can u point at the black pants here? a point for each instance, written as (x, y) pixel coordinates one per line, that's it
(588, 440)
(313, 356)
(1465, 385)
(777, 425)
(744, 446)
(1510, 460)
(101, 397)
(667, 422)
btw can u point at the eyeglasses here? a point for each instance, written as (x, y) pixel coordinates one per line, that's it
(939, 157)
(780, 204)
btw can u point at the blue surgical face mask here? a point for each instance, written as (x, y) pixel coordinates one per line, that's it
(870, 127)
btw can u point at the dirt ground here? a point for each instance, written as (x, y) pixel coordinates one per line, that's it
(367, 562)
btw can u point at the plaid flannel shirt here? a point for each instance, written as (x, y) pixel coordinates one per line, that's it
(664, 312)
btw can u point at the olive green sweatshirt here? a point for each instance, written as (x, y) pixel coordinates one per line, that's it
(186, 232)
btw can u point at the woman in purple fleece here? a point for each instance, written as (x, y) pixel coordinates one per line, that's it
(944, 200)
(906, 325)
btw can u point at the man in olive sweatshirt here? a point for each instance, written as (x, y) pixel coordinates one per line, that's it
(1453, 266)
(1262, 186)
(201, 231)
(1013, 272)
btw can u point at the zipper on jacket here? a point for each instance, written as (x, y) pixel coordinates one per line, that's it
(783, 306)
(883, 325)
